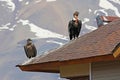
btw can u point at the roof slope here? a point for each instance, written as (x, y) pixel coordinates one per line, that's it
(98, 45)
(99, 42)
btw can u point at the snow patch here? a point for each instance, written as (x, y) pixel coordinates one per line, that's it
(10, 4)
(24, 22)
(52, 41)
(107, 5)
(85, 20)
(115, 1)
(40, 32)
(90, 10)
(6, 26)
(101, 10)
(90, 27)
(27, 3)
(20, 0)
(2, 28)
(37, 1)
(12, 29)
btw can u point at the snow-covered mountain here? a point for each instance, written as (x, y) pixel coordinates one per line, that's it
(45, 22)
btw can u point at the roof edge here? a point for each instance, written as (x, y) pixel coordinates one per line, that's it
(54, 66)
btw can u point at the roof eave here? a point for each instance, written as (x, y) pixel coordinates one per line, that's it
(54, 66)
(51, 67)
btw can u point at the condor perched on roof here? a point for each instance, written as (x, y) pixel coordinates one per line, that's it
(30, 49)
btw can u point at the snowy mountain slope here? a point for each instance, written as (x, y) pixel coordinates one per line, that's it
(45, 21)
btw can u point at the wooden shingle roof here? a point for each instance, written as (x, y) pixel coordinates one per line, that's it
(91, 46)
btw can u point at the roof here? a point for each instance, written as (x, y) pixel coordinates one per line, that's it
(109, 18)
(97, 45)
